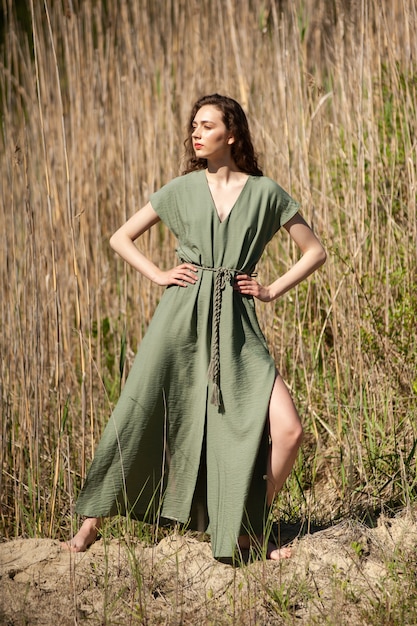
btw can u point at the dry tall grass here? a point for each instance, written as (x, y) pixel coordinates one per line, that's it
(93, 108)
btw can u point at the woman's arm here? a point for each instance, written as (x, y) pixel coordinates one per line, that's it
(313, 256)
(123, 240)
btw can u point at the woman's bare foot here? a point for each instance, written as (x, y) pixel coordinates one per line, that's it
(272, 552)
(85, 536)
(276, 554)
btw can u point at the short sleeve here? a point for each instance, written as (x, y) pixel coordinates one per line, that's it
(165, 203)
(286, 207)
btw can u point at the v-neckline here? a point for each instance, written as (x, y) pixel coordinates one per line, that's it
(214, 206)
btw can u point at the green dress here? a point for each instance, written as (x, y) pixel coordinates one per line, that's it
(172, 448)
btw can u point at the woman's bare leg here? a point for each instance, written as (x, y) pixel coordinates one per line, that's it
(85, 536)
(286, 435)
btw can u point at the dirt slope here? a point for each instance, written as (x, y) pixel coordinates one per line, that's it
(340, 575)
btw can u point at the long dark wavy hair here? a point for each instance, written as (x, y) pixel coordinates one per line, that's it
(235, 120)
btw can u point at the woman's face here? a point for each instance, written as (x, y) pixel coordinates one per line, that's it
(211, 139)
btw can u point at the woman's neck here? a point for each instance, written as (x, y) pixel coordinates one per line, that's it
(223, 172)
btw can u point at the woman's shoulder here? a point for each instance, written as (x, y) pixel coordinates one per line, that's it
(274, 195)
(267, 184)
(183, 181)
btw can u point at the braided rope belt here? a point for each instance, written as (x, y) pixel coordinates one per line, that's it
(223, 276)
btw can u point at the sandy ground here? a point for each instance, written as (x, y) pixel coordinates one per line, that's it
(337, 575)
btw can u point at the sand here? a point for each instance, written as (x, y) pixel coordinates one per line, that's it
(336, 575)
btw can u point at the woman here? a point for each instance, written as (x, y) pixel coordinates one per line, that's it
(204, 414)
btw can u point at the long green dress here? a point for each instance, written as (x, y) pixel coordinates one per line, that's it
(173, 448)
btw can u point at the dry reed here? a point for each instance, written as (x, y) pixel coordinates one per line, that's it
(93, 106)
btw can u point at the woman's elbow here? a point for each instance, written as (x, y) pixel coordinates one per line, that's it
(114, 241)
(321, 256)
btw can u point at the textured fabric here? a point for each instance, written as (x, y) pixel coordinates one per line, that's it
(167, 450)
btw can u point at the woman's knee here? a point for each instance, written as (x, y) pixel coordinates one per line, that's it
(287, 437)
(284, 422)
(298, 435)
(293, 436)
